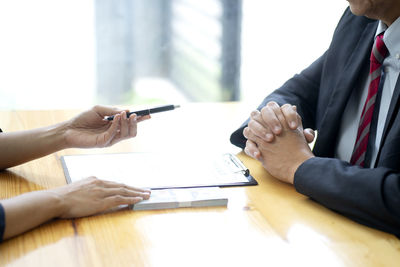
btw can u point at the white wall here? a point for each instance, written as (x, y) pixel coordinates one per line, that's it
(46, 54)
(275, 42)
(47, 48)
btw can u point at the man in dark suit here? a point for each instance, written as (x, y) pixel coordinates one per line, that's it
(350, 95)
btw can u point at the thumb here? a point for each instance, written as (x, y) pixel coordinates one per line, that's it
(309, 134)
(300, 121)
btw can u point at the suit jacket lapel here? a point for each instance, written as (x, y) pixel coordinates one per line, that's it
(347, 81)
(392, 113)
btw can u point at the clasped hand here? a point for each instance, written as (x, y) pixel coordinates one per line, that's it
(275, 137)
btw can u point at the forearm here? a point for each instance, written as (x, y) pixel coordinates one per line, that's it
(22, 146)
(369, 196)
(83, 198)
(29, 210)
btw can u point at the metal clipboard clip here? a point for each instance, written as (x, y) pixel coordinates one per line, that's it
(239, 167)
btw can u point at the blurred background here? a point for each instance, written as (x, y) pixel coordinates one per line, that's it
(57, 54)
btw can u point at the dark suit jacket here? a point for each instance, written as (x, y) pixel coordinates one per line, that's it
(321, 92)
(2, 222)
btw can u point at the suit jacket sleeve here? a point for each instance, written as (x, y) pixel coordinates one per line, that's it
(2, 222)
(369, 196)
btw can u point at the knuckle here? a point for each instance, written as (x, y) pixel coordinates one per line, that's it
(117, 199)
(245, 131)
(96, 107)
(255, 114)
(247, 150)
(248, 144)
(287, 107)
(252, 124)
(134, 200)
(97, 190)
(263, 110)
(272, 121)
(123, 191)
(249, 134)
(95, 181)
(277, 109)
(115, 184)
(92, 179)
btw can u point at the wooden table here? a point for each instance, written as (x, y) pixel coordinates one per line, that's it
(265, 225)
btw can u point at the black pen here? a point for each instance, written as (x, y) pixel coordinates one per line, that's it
(147, 111)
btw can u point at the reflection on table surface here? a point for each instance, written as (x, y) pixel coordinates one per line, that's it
(265, 225)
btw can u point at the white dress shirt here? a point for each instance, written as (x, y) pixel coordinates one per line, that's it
(352, 113)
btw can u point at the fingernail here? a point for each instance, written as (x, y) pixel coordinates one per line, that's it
(269, 136)
(253, 113)
(293, 124)
(277, 129)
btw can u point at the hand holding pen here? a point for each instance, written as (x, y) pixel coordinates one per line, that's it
(147, 111)
(89, 129)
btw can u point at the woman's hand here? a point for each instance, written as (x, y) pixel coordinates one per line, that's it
(92, 195)
(89, 129)
(83, 198)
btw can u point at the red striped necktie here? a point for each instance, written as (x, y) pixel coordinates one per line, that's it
(378, 54)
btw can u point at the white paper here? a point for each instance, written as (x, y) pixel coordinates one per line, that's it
(156, 170)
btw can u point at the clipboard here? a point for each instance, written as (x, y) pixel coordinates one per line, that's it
(156, 170)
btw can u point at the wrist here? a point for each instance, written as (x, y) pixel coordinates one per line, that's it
(306, 156)
(59, 204)
(58, 133)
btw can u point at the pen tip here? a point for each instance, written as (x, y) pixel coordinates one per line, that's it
(177, 106)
